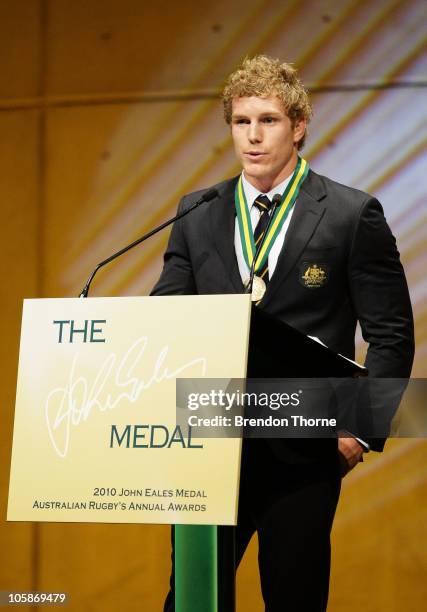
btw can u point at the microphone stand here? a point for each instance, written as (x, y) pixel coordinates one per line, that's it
(209, 195)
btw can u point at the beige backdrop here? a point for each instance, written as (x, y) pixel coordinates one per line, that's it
(108, 114)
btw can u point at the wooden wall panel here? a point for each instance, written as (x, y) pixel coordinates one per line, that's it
(190, 46)
(20, 48)
(131, 45)
(113, 173)
(19, 272)
(106, 567)
(378, 557)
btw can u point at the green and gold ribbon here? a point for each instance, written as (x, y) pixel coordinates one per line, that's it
(282, 211)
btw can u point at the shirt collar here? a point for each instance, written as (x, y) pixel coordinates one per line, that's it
(251, 192)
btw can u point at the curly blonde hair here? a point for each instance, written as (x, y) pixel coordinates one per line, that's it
(263, 76)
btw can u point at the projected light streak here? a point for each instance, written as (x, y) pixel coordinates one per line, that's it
(170, 204)
(151, 165)
(411, 36)
(419, 295)
(137, 179)
(407, 216)
(149, 187)
(321, 38)
(165, 127)
(119, 277)
(359, 142)
(408, 157)
(150, 252)
(407, 61)
(421, 351)
(351, 60)
(250, 23)
(416, 274)
(120, 202)
(350, 52)
(407, 182)
(371, 166)
(361, 107)
(277, 26)
(147, 256)
(413, 243)
(152, 138)
(161, 210)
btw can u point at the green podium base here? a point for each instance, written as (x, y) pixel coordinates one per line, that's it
(196, 568)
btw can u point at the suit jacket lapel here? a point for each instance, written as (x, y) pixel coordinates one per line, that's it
(305, 219)
(223, 217)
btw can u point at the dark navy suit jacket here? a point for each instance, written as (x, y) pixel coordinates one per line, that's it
(337, 230)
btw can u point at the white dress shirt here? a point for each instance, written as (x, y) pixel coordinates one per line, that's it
(251, 194)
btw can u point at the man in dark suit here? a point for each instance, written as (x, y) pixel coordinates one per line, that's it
(332, 261)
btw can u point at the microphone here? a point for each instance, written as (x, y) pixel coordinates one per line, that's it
(206, 197)
(277, 198)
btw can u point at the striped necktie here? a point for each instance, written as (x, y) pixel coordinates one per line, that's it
(263, 204)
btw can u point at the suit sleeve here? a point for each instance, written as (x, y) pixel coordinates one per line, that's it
(380, 295)
(177, 274)
(381, 299)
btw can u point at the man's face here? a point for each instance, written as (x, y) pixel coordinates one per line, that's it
(264, 140)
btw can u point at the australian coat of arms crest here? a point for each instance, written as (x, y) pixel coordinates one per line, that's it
(313, 275)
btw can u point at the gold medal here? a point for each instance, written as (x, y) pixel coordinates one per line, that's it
(258, 289)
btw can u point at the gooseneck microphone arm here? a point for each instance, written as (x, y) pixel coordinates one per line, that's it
(277, 198)
(206, 197)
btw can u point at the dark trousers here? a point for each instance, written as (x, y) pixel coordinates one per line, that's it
(292, 507)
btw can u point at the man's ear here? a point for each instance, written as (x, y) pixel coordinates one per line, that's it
(299, 129)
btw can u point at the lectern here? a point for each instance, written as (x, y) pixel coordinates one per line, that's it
(97, 378)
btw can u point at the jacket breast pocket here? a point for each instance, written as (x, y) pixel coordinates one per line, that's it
(317, 266)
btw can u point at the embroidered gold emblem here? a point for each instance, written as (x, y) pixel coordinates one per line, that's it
(314, 275)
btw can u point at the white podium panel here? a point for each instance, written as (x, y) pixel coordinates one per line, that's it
(95, 435)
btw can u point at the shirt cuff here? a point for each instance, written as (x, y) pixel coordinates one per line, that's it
(365, 445)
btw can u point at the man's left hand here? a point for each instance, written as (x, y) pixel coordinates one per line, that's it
(350, 453)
